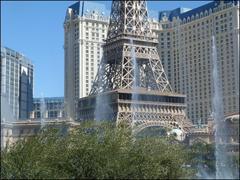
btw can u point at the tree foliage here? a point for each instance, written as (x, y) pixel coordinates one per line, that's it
(98, 151)
(203, 157)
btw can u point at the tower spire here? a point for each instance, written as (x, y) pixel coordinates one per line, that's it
(129, 18)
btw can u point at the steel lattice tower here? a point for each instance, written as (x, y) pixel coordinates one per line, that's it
(118, 81)
(129, 20)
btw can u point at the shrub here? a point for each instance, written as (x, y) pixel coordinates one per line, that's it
(95, 150)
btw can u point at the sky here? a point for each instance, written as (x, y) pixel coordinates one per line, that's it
(35, 29)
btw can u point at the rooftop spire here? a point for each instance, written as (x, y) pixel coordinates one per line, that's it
(129, 18)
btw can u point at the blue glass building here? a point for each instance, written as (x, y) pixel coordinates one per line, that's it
(16, 85)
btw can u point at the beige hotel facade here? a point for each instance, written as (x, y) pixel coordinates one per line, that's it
(85, 29)
(185, 49)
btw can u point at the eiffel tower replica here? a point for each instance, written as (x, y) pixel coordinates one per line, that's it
(131, 84)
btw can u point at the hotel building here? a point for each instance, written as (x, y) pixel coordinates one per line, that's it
(185, 49)
(16, 85)
(84, 32)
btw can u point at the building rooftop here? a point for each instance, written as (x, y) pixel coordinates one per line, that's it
(10, 52)
(82, 8)
(182, 13)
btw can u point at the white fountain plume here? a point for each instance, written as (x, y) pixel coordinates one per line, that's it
(102, 110)
(223, 170)
(134, 85)
(42, 111)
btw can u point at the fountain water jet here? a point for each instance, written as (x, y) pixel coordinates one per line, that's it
(42, 111)
(102, 108)
(223, 170)
(134, 85)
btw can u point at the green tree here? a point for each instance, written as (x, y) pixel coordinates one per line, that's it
(202, 156)
(95, 151)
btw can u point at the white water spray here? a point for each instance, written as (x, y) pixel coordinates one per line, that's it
(42, 111)
(134, 85)
(223, 170)
(103, 111)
